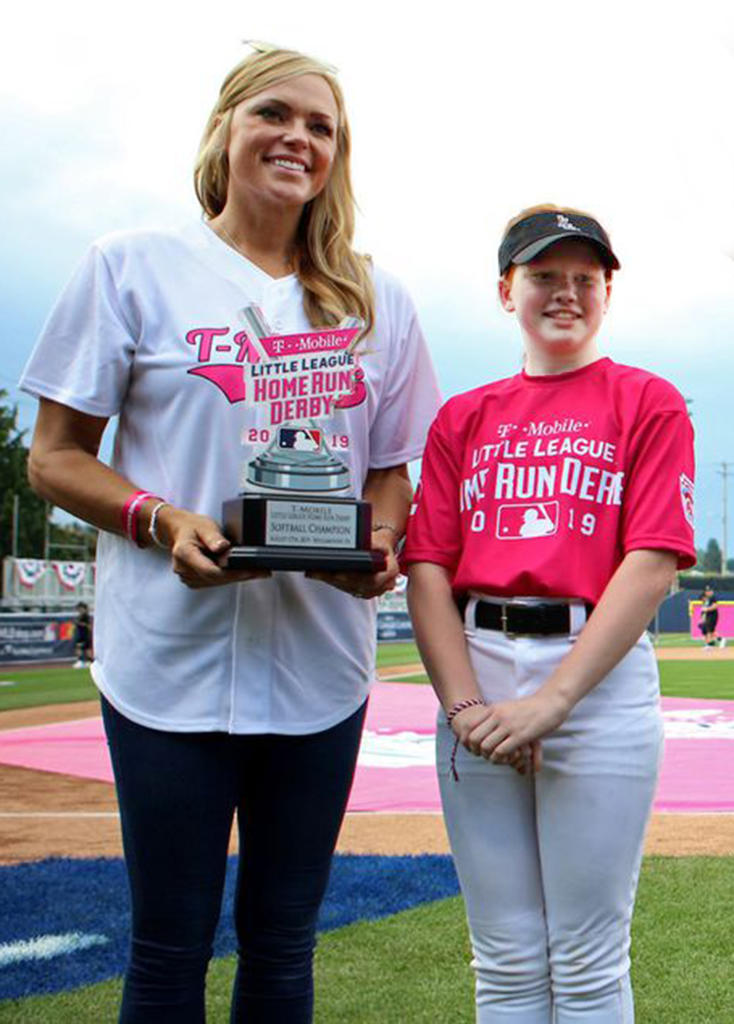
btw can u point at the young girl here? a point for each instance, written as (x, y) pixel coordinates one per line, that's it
(553, 510)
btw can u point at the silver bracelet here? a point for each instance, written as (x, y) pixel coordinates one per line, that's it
(386, 526)
(152, 533)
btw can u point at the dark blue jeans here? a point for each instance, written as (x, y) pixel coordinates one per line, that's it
(178, 793)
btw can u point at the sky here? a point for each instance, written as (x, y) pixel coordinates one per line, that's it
(461, 115)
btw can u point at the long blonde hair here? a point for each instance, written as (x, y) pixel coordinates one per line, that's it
(336, 280)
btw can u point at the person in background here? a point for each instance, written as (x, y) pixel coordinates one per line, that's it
(553, 510)
(229, 691)
(710, 618)
(82, 636)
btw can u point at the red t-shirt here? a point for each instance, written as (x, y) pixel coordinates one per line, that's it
(540, 485)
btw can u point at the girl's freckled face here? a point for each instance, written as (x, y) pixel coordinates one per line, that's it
(559, 298)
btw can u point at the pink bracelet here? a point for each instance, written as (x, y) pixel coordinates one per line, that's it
(130, 513)
(462, 705)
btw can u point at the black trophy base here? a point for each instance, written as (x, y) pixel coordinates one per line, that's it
(297, 533)
(295, 560)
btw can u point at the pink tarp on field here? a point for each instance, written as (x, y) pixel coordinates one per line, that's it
(395, 771)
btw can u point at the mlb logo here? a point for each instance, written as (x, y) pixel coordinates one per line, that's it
(533, 519)
(299, 439)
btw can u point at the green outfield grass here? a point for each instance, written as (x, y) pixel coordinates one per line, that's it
(402, 653)
(397, 654)
(675, 640)
(712, 679)
(412, 968)
(40, 686)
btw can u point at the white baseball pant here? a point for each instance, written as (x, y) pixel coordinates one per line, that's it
(548, 864)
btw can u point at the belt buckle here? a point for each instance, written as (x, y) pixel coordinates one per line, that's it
(503, 621)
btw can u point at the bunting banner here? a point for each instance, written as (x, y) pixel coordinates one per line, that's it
(70, 574)
(29, 570)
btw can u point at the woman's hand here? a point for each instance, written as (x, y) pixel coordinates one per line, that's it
(63, 468)
(389, 492)
(363, 584)
(473, 721)
(197, 546)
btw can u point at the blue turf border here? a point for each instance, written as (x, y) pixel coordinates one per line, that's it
(58, 896)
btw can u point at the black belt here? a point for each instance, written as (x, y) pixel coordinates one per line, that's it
(522, 619)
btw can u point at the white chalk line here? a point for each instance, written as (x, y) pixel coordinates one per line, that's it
(45, 947)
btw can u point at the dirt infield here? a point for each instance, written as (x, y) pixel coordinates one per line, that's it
(43, 814)
(694, 653)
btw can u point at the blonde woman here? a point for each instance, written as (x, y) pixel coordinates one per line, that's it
(236, 691)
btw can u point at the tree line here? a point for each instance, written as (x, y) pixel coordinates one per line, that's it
(708, 559)
(76, 542)
(67, 542)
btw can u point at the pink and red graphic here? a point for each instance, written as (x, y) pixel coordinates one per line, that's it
(225, 358)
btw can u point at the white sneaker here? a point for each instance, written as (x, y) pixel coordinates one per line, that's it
(78, 664)
(722, 641)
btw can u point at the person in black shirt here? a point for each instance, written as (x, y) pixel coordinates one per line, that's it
(82, 636)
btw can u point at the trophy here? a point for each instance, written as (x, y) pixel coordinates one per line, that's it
(289, 514)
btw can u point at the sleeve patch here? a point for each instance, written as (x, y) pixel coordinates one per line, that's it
(686, 497)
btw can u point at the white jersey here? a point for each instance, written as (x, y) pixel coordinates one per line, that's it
(151, 328)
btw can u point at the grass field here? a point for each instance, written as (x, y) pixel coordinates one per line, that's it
(39, 686)
(675, 640)
(412, 968)
(712, 681)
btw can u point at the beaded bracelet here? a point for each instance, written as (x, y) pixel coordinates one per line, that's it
(152, 532)
(462, 705)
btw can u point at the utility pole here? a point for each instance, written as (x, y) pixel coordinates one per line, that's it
(46, 531)
(724, 471)
(16, 502)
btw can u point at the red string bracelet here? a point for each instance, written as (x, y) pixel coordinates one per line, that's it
(454, 773)
(462, 705)
(453, 711)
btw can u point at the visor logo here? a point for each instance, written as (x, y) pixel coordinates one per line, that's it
(565, 223)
